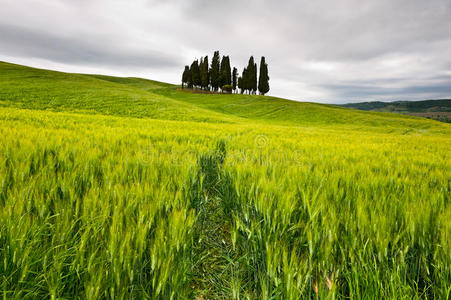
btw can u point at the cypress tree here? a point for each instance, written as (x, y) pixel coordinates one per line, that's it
(245, 80)
(201, 63)
(263, 80)
(221, 73)
(234, 78)
(251, 78)
(185, 76)
(214, 71)
(208, 79)
(225, 77)
(189, 78)
(228, 72)
(254, 79)
(204, 73)
(208, 74)
(195, 72)
(240, 84)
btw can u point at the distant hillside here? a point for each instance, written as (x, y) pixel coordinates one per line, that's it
(433, 109)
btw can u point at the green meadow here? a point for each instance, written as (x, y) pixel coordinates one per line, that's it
(126, 188)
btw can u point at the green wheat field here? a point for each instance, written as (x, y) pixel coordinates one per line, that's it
(125, 188)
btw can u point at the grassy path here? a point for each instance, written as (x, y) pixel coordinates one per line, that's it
(214, 259)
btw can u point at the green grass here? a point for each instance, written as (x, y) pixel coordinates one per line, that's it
(105, 194)
(30, 88)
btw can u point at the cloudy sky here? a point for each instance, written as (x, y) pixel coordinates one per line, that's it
(330, 51)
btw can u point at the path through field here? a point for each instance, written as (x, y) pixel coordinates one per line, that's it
(214, 257)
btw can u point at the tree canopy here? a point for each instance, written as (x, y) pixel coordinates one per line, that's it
(219, 75)
(204, 75)
(263, 80)
(214, 71)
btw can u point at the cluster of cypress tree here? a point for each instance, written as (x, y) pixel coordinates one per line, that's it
(219, 76)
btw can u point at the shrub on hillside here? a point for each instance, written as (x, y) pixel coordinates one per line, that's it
(227, 88)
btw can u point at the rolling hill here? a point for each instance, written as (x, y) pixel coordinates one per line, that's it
(31, 88)
(439, 110)
(131, 188)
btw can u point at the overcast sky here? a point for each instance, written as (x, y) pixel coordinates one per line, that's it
(331, 51)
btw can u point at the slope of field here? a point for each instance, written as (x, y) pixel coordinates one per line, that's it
(276, 110)
(266, 199)
(25, 87)
(287, 112)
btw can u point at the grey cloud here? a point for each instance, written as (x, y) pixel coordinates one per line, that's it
(323, 50)
(93, 50)
(326, 30)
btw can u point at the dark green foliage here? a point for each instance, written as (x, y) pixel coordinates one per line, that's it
(204, 74)
(195, 71)
(186, 77)
(227, 71)
(234, 78)
(201, 63)
(225, 77)
(245, 86)
(254, 76)
(254, 79)
(214, 71)
(190, 79)
(240, 84)
(263, 81)
(204, 78)
(220, 74)
(251, 76)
